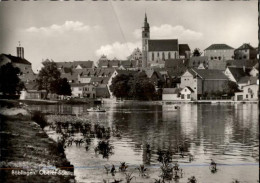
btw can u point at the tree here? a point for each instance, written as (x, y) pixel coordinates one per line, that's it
(120, 85)
(10, 83)
(141, 88)
(196, 52)
(48, 78)
(230, 87)
(63, 87)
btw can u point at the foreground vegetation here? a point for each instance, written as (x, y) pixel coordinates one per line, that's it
(25, 147)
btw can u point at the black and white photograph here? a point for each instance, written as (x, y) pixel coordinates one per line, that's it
(129, 91)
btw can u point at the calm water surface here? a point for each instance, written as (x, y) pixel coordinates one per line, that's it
(229, 134)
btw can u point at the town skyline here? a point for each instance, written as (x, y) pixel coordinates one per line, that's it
(110, 28)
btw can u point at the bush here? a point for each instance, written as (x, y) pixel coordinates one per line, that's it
(39, 118)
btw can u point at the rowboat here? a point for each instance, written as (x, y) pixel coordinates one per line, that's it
(92, 109)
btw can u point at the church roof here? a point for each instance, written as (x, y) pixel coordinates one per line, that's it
(163, 45)
(219, 47)
(17, 60)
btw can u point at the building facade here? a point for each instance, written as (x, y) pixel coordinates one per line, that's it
(219, 52)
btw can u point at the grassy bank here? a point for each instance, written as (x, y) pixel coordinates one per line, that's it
(25, 147)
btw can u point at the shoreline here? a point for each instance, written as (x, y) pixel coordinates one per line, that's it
(28, 154)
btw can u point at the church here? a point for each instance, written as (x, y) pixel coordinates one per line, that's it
(156, 51)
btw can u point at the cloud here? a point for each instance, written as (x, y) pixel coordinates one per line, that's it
(167, 31)
(68, 26)
(118, 50)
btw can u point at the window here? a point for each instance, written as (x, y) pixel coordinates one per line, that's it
(163, 56)
(246, 96)
(158, 54)
(185, 90)
(152, 56)
(252, 96)
(194, 88)
(169, 55)
(219, 58)
(188, 96)
(182, 96)
(211, 58)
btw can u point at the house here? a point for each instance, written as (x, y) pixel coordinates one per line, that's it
(177, 94)
(171, 94)
(249, 91)
(136, 56)
(155, 77)
(89, 90)
(203, 81)
(255, 70)
(219, 52)
(77, 89)
(31, 92)
(246, 51)
(238, 75)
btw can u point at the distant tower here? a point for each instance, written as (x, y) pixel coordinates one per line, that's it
(20, 51)
(145, 38)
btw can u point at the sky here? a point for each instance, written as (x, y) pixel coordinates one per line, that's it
(80, 31)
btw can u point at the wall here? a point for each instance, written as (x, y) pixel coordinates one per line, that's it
(170, 97)
(77, 91)
(213, 85)
(224, 54)
(173, 55)
(253, 95)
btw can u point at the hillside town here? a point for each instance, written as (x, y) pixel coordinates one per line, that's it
(177, 72)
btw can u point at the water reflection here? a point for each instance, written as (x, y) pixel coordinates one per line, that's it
(226, 133)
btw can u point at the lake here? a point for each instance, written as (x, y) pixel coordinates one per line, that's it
(228, 134)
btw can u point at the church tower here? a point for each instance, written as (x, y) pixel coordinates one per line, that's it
(145, 38)
(20, 51)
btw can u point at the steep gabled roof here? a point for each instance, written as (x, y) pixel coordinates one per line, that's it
(238, 73)
(17, 60)
(245, 46)
(163, 45)
(211, 74)
(219, 47)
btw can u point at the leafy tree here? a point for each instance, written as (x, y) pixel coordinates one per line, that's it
(135, 87)
(196, 52)
(63, 87)
(48, 78)
(141, 87)
(120, 85)
(230, 87)
(10, 83)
